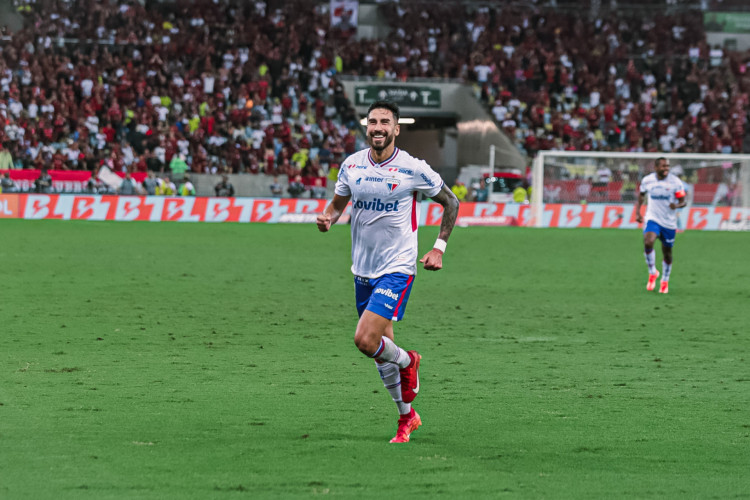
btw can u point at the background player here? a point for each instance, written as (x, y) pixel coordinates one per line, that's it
(382, 183)
(666, 194)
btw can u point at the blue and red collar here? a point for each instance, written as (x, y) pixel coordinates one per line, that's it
(386, 162)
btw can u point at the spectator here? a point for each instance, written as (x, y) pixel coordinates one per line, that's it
(584, 189)
(6, 158)
(153, 164)
(603, 174)
(150, 184)
(224, 187)
(7, 185)
(520, 195)
(95, 186)
(479, 191)
(276, 189)
(165, 187)
(599, 188)
(178, 166)
(318, 189)
(630, 182)
(186, 188)
(43, 184)
(460, 190)
(127, 187)
(296, 187)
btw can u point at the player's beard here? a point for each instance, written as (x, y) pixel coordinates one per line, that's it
(386, 142)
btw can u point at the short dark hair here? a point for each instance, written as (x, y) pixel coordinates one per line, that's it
(656, 161)
(389, 105)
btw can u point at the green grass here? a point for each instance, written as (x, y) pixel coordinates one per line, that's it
(167, 360)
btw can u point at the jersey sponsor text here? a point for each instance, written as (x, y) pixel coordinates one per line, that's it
(377, 205)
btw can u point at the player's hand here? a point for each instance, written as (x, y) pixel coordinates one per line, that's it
(324, 222)
(673, 206)
(433, 260)
(638, 218)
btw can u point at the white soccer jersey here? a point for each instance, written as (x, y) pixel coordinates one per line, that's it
(660, 194)
(384, 211)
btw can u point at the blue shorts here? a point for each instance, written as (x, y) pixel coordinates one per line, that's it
(386, 296)
(665, 235)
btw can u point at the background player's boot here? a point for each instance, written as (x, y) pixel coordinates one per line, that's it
(652, 281)
(664, 288)
(406, 425)
(410, 378)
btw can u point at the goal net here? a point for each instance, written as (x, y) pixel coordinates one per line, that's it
(714, 181)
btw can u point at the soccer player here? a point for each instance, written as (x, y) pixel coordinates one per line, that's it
(382, 183)
(666, 194)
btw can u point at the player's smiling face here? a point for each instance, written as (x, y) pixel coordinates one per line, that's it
(382, 129)
(662, 169)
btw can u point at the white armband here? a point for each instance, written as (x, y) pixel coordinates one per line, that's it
(440, 245)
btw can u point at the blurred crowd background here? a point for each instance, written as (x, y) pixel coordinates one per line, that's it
(230, 87)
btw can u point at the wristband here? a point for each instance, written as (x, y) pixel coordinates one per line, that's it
(440, 245)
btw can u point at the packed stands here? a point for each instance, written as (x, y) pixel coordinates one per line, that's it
(216, 87)
(574, 79)
(232, 87)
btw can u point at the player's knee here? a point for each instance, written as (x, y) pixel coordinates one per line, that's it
(366, 342)
(365, 346)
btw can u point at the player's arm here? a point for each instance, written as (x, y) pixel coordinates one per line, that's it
(332, 212)
(638, 204)
(681, 200)
(433, 260)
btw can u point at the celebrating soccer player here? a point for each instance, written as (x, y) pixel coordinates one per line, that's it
(666, 194)
(382, 183)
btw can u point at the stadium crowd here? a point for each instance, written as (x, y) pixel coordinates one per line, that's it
(643, 80)
(209, 87)
(230, 87)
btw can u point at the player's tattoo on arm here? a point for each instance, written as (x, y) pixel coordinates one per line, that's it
(450, 211)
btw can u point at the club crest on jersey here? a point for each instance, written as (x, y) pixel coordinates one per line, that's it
(392, 183)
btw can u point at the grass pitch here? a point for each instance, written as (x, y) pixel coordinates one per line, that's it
(159, 360)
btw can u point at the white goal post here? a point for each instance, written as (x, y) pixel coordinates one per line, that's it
(581, 177)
